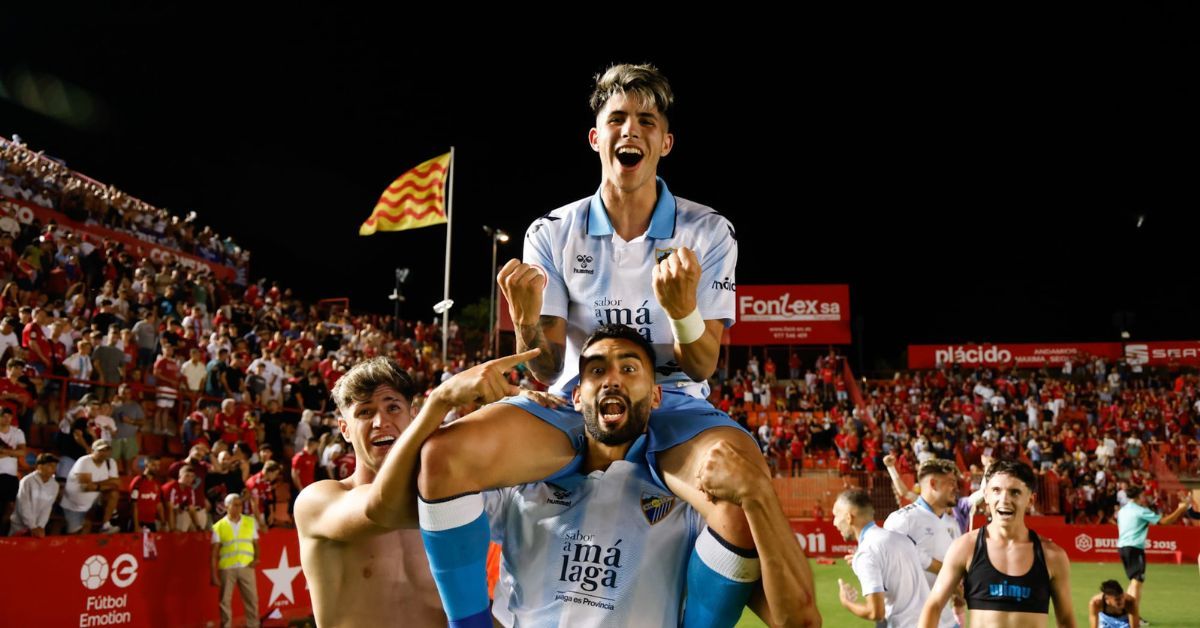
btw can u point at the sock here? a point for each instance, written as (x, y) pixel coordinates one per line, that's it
(455, 532)
(720, 579)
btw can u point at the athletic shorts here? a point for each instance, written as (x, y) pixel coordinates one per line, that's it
(677, 420)
(125, 448)
(1134, 559)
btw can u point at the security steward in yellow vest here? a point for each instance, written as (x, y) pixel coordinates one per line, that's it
(234, 556)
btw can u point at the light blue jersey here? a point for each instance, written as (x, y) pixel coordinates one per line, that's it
(607, 549)
(595, 277)
(1133, 522)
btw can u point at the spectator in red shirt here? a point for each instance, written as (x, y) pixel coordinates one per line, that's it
(304, 465)
(769, 371)
(146, 496)
(793, 366)
(227, 423)
(13, 393)
(34, 339)
(344, 465)
(166, 376)
(260, 492)
(187, 508)
(197, 459)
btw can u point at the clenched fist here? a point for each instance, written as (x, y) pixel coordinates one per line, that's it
(676, 279)
(522, 285)
(726, 474)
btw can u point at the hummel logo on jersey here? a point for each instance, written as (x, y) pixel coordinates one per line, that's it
(560, 498)
(583, 261)
(656, 507)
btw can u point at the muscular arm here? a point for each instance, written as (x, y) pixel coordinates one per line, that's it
(326, 510)
(903, 494)
(1060, 584)
(787, 581)
(550, 335)
(1094, 611)
(952, 572)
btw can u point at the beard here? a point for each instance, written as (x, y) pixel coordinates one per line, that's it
(636, 417)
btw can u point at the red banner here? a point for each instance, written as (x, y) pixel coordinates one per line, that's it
(820, 539)
(792, 315)
(25, 212)
(1029, 355)
(1098, 544)
(1183, 352)
(107, 580)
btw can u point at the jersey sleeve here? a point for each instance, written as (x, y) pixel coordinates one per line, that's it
(495, 506)
(898, 523)
(869, 570)
(540, 250)
(716, 297)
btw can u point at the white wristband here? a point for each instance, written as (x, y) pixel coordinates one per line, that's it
(690, 328)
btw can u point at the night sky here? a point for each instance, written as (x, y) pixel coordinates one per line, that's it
(972, 177)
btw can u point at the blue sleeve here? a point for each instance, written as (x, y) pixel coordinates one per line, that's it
(541, 250)
(718, 263)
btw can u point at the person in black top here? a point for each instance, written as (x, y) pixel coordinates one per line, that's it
(1011, 575)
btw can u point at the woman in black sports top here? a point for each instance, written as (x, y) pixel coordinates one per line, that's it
(989, 557)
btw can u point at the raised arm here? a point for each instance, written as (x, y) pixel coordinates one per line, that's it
(326, 510)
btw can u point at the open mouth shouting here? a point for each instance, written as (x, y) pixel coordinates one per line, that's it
(1004, 512)
(613, 409)
(630, 156)
(382, 441)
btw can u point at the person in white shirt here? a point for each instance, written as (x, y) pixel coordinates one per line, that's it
(929, 522)
(12, 447)
(887, 564)
(194, 371)
(92, 475)
(35, 499)
(8, 336)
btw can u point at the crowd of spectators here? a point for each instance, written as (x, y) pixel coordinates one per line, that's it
(36, 178)
(149, 389)
(1090, 427)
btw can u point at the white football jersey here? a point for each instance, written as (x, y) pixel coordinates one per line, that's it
(595, 277)
(607, 549)
(932, 535)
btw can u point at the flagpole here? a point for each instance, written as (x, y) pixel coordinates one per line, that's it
(446, 288)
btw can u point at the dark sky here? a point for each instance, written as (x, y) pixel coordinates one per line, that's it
(972, 177)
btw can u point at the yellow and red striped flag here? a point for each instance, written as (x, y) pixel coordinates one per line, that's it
(415, 199)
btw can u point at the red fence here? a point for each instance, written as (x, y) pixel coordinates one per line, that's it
(101, 580)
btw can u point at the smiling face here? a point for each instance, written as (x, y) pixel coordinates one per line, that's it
(1007, 497)
(373, 425)
(616, 391)
(630, 136)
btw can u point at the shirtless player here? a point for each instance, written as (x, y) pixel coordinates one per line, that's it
(362, 568)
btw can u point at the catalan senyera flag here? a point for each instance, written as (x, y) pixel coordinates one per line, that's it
(415, 199)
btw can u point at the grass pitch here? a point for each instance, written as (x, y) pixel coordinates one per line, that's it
(1171, 596)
